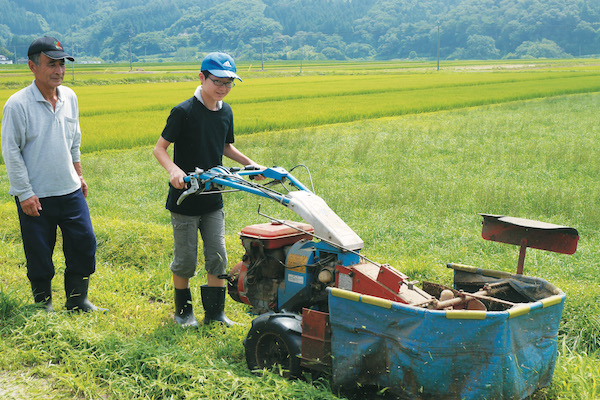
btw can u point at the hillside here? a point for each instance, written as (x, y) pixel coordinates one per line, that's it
(183, 30)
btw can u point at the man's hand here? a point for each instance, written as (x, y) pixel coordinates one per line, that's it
(84, 186)
(31, 206)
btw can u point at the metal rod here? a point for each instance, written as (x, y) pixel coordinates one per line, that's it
(521, 263)
(484, 297)
(204, 192)
(464, 297)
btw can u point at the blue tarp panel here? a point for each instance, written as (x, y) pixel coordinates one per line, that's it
(430, 354)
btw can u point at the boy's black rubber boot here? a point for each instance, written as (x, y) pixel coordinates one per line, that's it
(184, 312)
(76, 290)
(213, 301)
(42, 294)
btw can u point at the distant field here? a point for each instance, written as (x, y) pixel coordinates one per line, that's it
(117, 115)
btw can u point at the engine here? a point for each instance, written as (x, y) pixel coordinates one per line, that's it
(280, 269)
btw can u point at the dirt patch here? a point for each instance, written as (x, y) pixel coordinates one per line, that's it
(22, 386)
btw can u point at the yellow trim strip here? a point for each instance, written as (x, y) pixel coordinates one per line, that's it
(518, 311)
(345, 294)
(465, 314)
(364, 298)
(482, 271)
(551, 301)
(495, 274)
(376, 301)
(463, 267)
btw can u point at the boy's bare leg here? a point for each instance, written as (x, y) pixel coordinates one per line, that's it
(213, 280)
(180, 283)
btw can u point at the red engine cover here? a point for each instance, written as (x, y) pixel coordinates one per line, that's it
(276, 235)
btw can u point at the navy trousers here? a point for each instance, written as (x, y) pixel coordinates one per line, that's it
(71, 214)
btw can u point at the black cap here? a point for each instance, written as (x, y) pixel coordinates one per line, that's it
(50, 47)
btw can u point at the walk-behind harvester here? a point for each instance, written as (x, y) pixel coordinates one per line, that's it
(325, 308)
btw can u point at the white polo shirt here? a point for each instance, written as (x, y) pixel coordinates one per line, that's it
(40, 144)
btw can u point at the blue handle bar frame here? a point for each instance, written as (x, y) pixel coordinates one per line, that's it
(233, 178)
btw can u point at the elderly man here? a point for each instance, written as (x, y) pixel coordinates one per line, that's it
(41, 138)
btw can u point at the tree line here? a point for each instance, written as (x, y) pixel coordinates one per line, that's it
(184, 30)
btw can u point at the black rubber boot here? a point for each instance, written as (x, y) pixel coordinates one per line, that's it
(42, 294)
(213, 301)
(76, 290)
(184, 312)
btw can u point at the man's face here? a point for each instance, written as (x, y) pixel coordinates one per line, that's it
(50, 73)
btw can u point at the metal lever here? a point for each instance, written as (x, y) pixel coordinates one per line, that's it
(191, 190)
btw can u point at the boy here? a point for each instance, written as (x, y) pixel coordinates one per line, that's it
(201, 129)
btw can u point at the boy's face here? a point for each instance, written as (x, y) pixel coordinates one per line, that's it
(215, 88)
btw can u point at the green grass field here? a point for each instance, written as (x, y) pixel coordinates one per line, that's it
(408, 159)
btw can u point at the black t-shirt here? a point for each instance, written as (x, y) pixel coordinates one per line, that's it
(199, 136)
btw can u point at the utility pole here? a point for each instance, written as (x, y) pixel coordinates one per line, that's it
(130, 59)
(262, 52)
(438, 45)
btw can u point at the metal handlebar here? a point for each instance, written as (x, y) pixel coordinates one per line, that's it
(233, 178)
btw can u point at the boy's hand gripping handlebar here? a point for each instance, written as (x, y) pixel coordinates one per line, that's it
(200, 176)
(194, 186)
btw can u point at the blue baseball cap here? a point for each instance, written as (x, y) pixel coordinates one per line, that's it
(220, 65)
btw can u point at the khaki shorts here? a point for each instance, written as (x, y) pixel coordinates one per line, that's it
(185, 239)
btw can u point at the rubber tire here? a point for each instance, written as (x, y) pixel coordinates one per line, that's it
(274, 342)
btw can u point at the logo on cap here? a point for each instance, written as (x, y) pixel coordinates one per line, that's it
(58, 45)
(227, 64)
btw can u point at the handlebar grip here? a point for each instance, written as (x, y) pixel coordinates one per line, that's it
(244, 168)
(187, 179)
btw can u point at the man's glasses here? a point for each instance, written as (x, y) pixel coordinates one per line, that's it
(228, 85)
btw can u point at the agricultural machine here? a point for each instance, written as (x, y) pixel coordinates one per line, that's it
(324, 307)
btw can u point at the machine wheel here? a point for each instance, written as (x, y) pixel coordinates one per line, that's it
(274, 343)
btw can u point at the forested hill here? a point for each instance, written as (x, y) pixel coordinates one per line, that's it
(183, 30)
